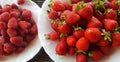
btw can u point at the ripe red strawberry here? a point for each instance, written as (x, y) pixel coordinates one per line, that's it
(1, 50)
(61, 47)
(78, 33)
(12, 23)
(58, 6)
(5, 16)
(115, 39)
(11, 32)
(94, 23)
(86, 11)
(64, 14)
(34, 30)
(105, 50)
(96, 55)
(68, 5)
(54, 25)
(91, 3)
(64, 28)
(114, 4)
(111, 14)
(81, 58)
(53, 36)
(53, 14)
(71, 41)
(82, 44)
(20, 2)
(102, 42)
(99, 16)
(18, 40)
(72, 18)
(71, 51)
(27, 14)
(110, 24)
(8, 48)
(92, 34)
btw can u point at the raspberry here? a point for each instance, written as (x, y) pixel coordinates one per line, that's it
(1, 50)
(8, 48)
(1, 11)
(12, 23)
(2, 25)
(15, 13)
(14, 6)
(19, 50)
(7, 8)
(29, 38)
(26, 14)
(20, 2)
(33, 29)
(3, 33)
(5, 16)
(11, 32)
(23, 25)
(17, 41)
(2, 40)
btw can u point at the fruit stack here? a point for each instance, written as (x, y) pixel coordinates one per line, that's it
(87, 29)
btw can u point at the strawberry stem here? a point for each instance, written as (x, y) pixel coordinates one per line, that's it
(76, 27)
(62, 35)
(117, 29)
(80, 6)
(117, 2)
(46, 36)
(106, 35)
(50, 4)
(90, 54)
(62, 22)
(80, 51)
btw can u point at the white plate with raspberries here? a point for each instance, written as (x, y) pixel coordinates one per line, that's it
(19, 40)
(51, 43)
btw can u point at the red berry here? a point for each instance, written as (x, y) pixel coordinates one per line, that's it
(81, 58)
(8, 48)
(78, 33)
(105, 50)
(64, 14)
(71, 51)
(15, 13)
(29, 37)
(33, 29)
(11, 32)
(5, 16)
(68, 5)
(14, 6)
(64, 28)
(71, 40)
(26, 14)
(20, 2)
(1, 50)
(7, 8)
(102, 42)
(12, 23)
(53, 36)
(19, 50)
(53, 14)
(58, 6)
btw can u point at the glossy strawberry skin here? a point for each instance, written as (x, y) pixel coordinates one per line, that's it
(72, 18)
(99, 16)
(68, 5)
(92, 34)
(94, 23)
(81, 58)
(53, 36)
(53, 14)
(102, 42)
(82, 44)
(113, 5)
(78, 33)
(105, 50)
(71, 41)
(111, 14)
(58, 6)
(110, 24)
(64, 28)
(64, 14)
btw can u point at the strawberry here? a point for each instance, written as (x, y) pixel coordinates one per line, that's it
(61, 47)
(110, 24)
(81, 58)
(78, 33)
(72, 18)
(87, 1)
(64, 28)
(102, 42)
(68, 5)
(94, 23)
(110, 0)
(8, 48)
(53, 36)
(64, 14)
(53, 14)
(105, 50)
(75, 1)
(82, 44)
(12, 23)
(20, 2)
(17, 41)
(92, 34)
(115, 4)
(58, 6)
(91, 3)
(115, 39)
(54, 25)
(96, 55)
(99, 16)
(85, 11)
(111, 14)
(71, 40)
(71, 51)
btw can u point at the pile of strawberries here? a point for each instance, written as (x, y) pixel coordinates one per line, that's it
(17, 29)
(89, 29)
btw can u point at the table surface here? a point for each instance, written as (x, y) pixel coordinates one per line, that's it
(41, 56)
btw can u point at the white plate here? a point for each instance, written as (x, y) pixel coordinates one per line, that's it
(33, 48)
(49, 46)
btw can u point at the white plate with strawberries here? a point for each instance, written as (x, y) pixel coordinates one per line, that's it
(59, 21)
(21, 19)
